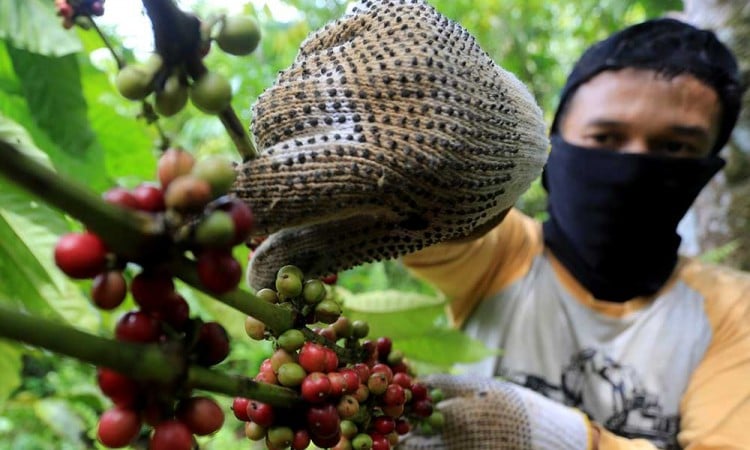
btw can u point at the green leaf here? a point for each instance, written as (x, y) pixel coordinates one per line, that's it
(126, 142)
(33, 26)
(444, 347)
(10, 369)
(52, 91)
(28, 233)
(392, 313)
(61, 418)
(390, 301)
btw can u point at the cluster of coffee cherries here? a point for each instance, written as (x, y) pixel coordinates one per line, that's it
(71, 10)
(190, 202)
(171, 85)
(365, 403)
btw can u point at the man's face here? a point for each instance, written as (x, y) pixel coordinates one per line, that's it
(640, 111)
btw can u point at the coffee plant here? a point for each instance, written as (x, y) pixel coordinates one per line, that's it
(327, 383)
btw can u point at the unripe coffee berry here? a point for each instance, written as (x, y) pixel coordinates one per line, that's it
(217, 172)
(187, 194)
(314, 291)
(362, 441)
(134, 82)
(254, 432)
(268, 295)
(347, 407)
(280, 436)
(173, 163)
(288, 285)
(327, 311)
(360, 329)
(211, 93)
(291, 340)
(255, 328)
(239, 35)
(216, 230)
(291, 374)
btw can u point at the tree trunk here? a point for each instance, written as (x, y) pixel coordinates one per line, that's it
(720, 217)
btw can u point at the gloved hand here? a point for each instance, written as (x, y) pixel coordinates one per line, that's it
(392, 130)
(483, 414)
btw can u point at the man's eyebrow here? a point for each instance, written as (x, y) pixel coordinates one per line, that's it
(692, 131)
(604, 123)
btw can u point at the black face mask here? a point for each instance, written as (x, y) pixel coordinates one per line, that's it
(613, 216)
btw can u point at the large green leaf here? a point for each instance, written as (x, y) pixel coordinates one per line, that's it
(33, 26)
(28, 233)
(392, 313)
(52, 91)
(10, 369)
(127, 143)
(59, 416)
(444, 346)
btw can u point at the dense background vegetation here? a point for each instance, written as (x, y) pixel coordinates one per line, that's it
(57, 99)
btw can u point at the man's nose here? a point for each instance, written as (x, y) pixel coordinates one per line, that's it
(635, 145)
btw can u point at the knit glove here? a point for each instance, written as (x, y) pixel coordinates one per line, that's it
(392, 130)
(483, 414)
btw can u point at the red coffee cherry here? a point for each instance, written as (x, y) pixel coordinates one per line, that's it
(384, 346)
(121, 197)
(260, 413)
(313, 357)
(201, 414)
(137, 326)
(122, 390)
(109, 290)
(316, 387)
(301, 440)
(81, 255)
(239, 407)
(394, 395)
(118, 427)
(323, 421)
(171, 435)
(151, 289)
(149, 198)
(212, 345)
(218, 270)
(383, 425)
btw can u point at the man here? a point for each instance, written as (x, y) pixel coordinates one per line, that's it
(393, 131)
(594, 308)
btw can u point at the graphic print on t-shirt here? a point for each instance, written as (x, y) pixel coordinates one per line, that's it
(638, 413)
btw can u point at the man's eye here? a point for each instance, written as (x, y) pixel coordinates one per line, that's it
(603, 139)
(677, 148)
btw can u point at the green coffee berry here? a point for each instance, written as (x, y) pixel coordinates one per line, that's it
(211, 93)
(291, 374)
(217, 172)
(291, 340)
(239, 35)
(216, 230)
(314, 291)
(327, 311)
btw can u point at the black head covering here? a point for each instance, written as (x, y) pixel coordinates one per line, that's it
(669, 47)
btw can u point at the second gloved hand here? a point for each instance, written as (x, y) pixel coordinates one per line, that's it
(483, 414)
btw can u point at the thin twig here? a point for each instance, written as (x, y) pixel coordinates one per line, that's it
(118, 58)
